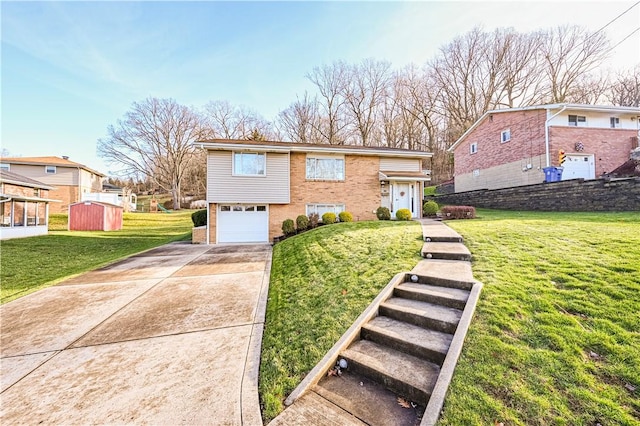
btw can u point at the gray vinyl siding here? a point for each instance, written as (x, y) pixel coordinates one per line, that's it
(62, 176)
(399, 164)
(223, 187)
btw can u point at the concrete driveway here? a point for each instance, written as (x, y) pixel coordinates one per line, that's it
(169, 336)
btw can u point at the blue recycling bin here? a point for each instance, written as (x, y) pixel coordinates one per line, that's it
(553, 174)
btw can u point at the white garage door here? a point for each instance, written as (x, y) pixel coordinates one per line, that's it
(578, 166)
(243, 223)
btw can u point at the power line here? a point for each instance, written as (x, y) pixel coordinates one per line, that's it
(615, 19)
(620, 42)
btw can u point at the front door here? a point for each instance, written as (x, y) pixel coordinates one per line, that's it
(401, 197)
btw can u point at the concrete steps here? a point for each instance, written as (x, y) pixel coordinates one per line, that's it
(446, 250)
(403, 348)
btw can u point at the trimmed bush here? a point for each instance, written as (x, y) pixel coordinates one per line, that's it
(403, 214)
(288, 227)
(383, 213)
(328, 218)
(345, 217)
(430, 208)
(458, 212)
(313, 220)
(199, 218)
(302, 222)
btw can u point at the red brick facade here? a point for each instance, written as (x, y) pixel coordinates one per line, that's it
(527, 140)
(609, 146)
(520, 160)
(25, 191)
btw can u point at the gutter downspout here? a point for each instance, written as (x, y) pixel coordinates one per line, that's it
(546, 134)
(207, 200)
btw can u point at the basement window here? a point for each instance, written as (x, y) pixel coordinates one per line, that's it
(473, 148)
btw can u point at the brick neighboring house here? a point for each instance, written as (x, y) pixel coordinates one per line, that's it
(252, 187)
(511, 147)
(69, 178)
(24, 206)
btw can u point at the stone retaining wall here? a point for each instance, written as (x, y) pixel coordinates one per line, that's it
(571, 195)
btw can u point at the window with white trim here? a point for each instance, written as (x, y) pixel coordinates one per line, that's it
(325, 168)
(505, 136)
(5, 166)
(50, 170)
(249, 164)
(577, 120)
(473, 148)
(321, 209)
(615, 122)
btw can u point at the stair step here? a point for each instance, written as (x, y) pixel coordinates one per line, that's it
(451, 297)
(409, 376)
(417, 341)
(313, 409)
(449, 251)
(443, 239)
(458, 274)
(423, 314)
(367, 400)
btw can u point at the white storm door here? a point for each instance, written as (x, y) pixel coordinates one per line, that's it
(401, 196)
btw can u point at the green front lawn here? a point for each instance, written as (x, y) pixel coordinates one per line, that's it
(555, 338)
(29, 264)
(320, 282)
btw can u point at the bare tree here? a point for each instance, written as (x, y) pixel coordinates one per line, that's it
(590, 89)
(625, 88)
(298, 122)
(227, 121)
(570, 52)
(331, 81)
(154, 139)
(363, 92)
(521, 79)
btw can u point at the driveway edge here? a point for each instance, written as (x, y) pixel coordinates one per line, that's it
(250, 399)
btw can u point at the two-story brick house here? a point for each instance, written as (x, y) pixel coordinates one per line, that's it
(24, 206)
(511, 147)
(252, 187)
(69, 178)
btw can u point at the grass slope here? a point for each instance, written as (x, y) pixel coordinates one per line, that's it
(320, 282)
(29, 264)
(556, 336)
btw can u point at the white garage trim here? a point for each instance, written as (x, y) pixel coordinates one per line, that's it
(242, 223)
(579, 166)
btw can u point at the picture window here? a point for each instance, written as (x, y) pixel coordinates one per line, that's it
(249, 164)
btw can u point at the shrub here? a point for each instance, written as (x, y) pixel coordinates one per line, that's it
(288, 227)
(403, 214)
(430, 208)
(199, 218)
(383, 213)
(328, 218)
(345, 217)
(302, 222)
(313, 220)
(458, 212)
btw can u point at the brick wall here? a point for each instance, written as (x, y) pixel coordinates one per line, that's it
(570, 195)
(359, 192)
(66, 194)
(610, 147)
(527, 141)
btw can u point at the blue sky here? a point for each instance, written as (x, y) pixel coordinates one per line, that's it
(70, 69)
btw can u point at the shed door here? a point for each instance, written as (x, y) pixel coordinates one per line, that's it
(243, 223)
(579, 166)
